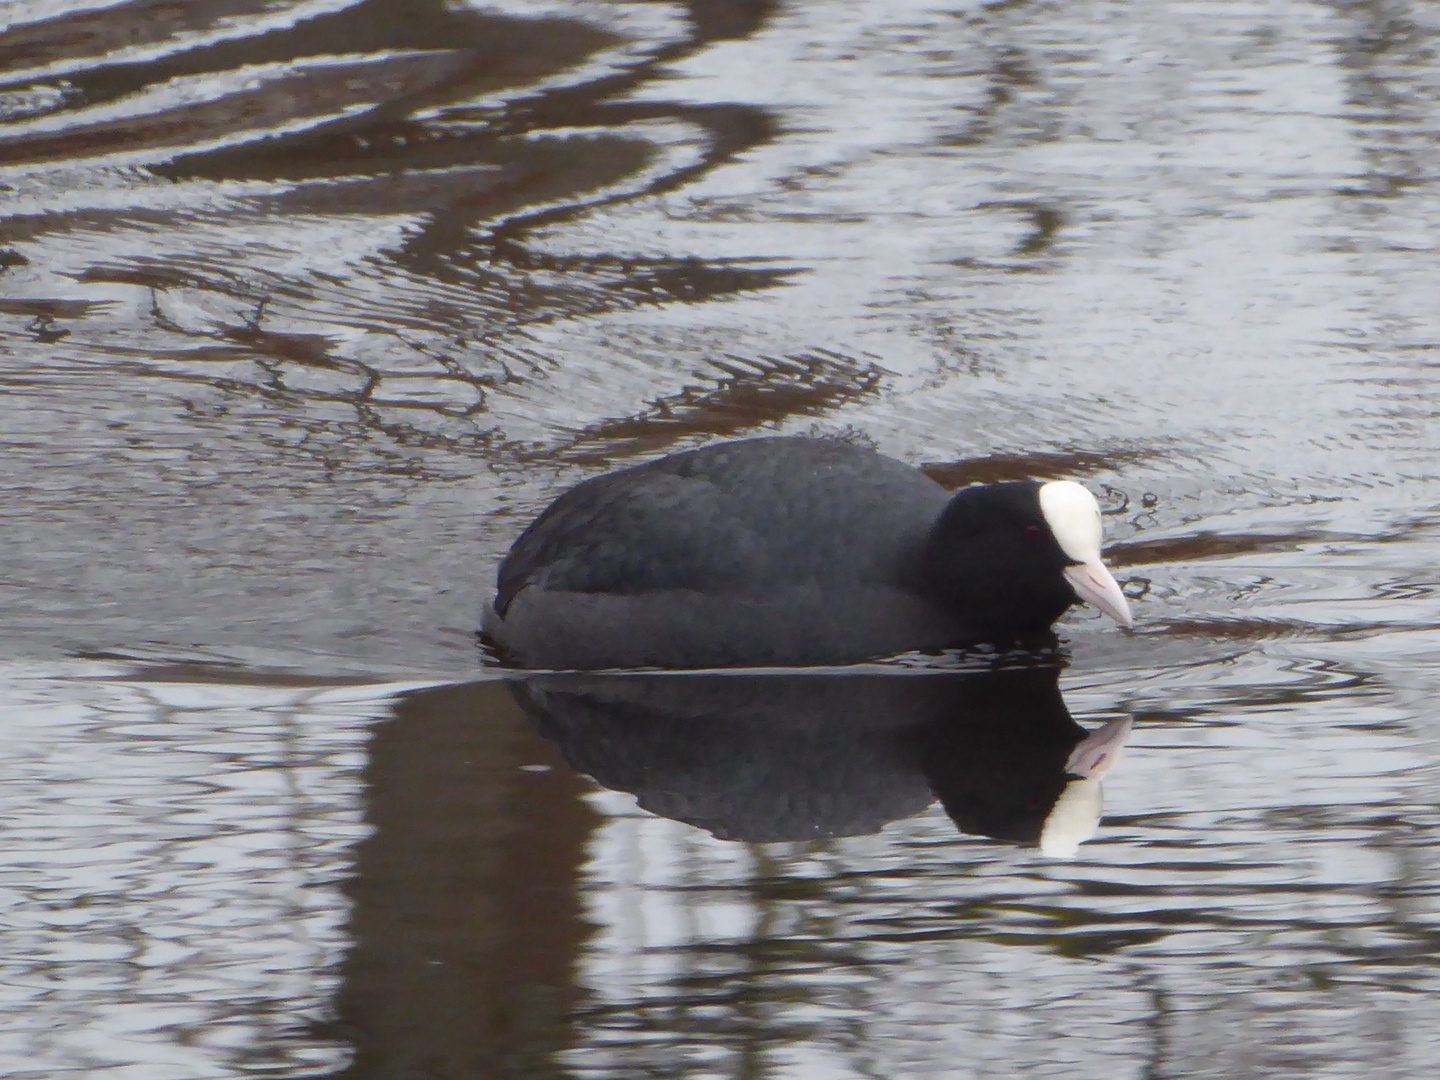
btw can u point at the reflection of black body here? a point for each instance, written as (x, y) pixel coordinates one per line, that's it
(790, 757)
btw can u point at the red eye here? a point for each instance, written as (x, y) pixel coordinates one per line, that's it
(1033, 532)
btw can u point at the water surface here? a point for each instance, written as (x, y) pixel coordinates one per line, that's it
(305, 309)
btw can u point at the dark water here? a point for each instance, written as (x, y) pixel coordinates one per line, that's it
(305, 308)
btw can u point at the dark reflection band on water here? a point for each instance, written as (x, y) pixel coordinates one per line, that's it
(467, 921)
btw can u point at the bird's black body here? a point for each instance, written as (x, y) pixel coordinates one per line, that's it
(783, 551)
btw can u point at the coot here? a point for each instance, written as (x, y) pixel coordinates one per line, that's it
(791, 551)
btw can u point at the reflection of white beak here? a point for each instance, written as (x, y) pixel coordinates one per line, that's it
(1095, 754)
(1094, 584)
(1076, 814)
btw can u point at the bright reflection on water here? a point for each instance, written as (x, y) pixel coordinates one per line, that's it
(307, 305)
(170, 873)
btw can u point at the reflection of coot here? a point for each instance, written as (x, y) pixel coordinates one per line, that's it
(765, 757)
(791, 551)
(792, 757)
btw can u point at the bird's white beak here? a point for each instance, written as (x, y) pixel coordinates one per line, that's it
(1094, 584)
(1074, 519)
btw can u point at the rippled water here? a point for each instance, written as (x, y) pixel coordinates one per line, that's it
(305, 308)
